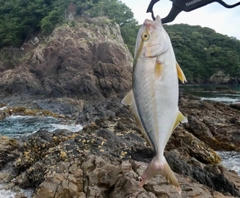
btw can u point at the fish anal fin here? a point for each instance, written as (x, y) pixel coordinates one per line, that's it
(180, 73)
(139, 124)
(128, 99)
(158, 70)
(180, 119)
(160, 166)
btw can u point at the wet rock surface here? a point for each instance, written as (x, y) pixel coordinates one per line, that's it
(106, 158)
(215, 123)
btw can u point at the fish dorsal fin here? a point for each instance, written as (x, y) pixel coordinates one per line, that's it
(128, 99)
(180, 119)
(158, 70)
(180, 73)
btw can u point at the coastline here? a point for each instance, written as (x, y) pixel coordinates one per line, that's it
(110, 152)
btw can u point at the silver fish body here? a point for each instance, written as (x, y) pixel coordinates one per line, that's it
(154, 94)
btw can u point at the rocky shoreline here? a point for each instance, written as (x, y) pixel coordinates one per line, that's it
(107, 156)
(81, 73)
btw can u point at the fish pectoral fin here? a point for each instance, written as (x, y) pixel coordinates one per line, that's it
(180, 119)
(128, 99)
(180, 73)
(160, 166)
(158, 70)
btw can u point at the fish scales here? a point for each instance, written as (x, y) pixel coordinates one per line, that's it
(146, 102)
(154, 95)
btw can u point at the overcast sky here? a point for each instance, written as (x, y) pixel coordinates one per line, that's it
(215, 16)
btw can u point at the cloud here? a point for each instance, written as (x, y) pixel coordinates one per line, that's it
(215, 16)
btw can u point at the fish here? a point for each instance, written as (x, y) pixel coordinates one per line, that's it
(153, 98)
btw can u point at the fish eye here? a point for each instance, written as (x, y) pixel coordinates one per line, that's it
(145, 36)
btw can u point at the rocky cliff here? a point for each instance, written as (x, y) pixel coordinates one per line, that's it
(84, 60)
(82, 71)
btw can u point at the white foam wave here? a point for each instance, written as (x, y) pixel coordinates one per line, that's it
(221, 99)
(7, 194)
(231, 160)
(12, 117)
(2, 108)
(70, 127)
(11, 194)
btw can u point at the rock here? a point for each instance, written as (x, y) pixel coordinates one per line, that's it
(219, 77)
(34, 41)
(2, 115)
(89, 64)
(107, 161)
(8, 148)
(235, 106)
(212, 122)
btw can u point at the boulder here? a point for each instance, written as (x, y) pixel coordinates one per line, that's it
(215, 123)
(220, 78)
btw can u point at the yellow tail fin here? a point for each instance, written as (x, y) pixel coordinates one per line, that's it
(160, 166)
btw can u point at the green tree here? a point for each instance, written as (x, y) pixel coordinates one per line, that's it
(46, 26)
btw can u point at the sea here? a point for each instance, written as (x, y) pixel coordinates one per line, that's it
(19, 126)
(222, 93)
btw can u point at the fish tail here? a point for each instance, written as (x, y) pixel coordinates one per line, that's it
(160, 166)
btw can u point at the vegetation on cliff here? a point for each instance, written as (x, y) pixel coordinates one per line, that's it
(201, 52)
(20, 20)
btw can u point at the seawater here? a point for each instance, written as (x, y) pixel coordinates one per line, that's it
(11, 194)
(231, 160)
(227, 94)
(7, 194)
(16, 126)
